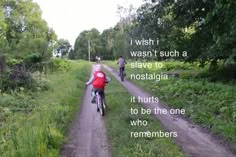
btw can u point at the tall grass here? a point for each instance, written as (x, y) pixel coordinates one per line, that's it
(40, 133)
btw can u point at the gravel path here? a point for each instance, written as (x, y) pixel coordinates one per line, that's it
(87, 135)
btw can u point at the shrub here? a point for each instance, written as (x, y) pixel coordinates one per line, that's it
(60, 65)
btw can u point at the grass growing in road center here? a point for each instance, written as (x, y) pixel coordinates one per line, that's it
(118, 119)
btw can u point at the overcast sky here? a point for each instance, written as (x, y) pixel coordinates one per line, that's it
(70, 17)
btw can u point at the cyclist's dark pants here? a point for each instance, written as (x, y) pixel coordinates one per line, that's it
(94, 90)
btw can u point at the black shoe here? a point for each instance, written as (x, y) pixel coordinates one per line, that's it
(93, 100)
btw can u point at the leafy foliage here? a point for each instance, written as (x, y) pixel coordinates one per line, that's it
(87, 39)
(205, 29)
(26, 44)
(60, 65)
(63, 47)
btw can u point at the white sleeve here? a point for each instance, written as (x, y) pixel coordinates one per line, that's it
(90, 80)
(108, 79)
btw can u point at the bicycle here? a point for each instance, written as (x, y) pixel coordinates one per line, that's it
(100, 102)
(122, 74)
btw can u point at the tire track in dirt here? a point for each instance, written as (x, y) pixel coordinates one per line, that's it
(193, 141)
(87, 134)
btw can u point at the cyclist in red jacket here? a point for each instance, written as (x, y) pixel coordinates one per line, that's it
(98, 80)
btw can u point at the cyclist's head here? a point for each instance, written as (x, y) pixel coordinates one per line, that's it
(120, 56)
(98, 67)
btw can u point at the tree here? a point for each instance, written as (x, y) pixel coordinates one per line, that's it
(26, 41)
(63, 47)
(205, 29)
(81, 44)
(25, 31)
(107, 41)
(121, 32)
(3, 28)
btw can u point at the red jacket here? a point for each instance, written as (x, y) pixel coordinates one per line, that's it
(99, 80)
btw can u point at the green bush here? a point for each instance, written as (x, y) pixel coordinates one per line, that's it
(173, 65)
(223, 73)
(33, 59)
(60, 65)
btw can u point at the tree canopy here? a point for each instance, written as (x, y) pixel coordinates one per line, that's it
(205, 29)
(26, 42)
(86, 39)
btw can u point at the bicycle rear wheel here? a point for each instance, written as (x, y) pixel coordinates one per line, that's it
(122, 75)
(100, 107)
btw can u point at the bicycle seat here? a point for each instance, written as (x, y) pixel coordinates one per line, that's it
(100, 92)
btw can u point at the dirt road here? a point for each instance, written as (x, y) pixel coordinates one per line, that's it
(87, 135)
(193, 141)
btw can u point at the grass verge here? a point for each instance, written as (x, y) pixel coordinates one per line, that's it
(40, 132)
